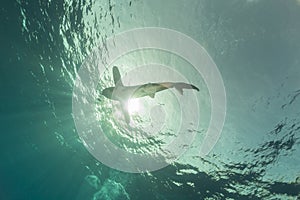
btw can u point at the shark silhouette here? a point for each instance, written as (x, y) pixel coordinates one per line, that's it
(123, 93)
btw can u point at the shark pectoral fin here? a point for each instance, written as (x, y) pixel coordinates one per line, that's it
(179, 89)
(152, 95)
(125, 112)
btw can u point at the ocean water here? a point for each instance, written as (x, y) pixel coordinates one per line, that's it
(255, 45)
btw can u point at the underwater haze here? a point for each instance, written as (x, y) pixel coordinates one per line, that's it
(254, 43)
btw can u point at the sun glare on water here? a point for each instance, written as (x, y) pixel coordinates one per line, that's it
(133, 106)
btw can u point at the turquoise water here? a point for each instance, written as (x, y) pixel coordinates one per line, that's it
(254, 43)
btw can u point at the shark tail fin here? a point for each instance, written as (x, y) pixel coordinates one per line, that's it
(180, 86)
(117, 76)
(194, 87)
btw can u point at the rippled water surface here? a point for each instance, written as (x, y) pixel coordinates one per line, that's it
(254, 43)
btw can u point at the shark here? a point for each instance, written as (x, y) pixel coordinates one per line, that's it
(123, 93)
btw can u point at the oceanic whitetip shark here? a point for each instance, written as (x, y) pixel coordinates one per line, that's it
(123, 93)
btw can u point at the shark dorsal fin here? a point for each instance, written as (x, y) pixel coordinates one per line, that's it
(117, 76)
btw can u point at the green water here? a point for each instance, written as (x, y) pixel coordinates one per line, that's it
(254, 43)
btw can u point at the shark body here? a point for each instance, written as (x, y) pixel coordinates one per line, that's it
(123, 93)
